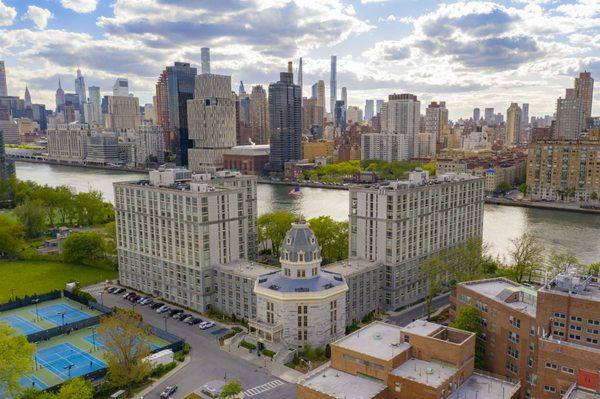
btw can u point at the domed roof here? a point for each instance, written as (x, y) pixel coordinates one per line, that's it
(300, 239)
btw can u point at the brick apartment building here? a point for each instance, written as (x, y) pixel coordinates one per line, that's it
(420, 361)
(547, 339)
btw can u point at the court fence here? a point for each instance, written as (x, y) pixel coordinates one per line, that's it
(63, 330)
(29, 300)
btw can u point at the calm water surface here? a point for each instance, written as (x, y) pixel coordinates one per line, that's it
(557, 230)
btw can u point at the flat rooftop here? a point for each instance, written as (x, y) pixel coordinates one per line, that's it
(422, 327)
(246, 268)
(432, 374)
(342, 385)
(350, 267)
(579, 393)
(479, 386)
(277, 281)
(582, 286)
(499, 289)
(379, 340)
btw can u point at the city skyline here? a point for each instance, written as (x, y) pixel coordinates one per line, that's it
(525, 53)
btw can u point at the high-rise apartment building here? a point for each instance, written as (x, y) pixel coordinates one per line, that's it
(320, 95)
(513, 124)
(93, 114)
(402, 115)
(345, 96)
(354, 114)
(205, 60)
(285, 122)
(3, 87)
(584, 90)
(488, 116)
(547, 338)
(149, 144)
(369, 110)
(525, 115)
(569, 116)
(378, 106)
(564, 169)
(476, 115)
(122, 113)
(339, 116)
(259, 115)
(400, 224)
(80, 88)
(121, 87)
(211, 121)
(436, 117)
(312, 116)
(384, 146)
(333, 84)
(300, 75)
(174, 88)
(173, 229)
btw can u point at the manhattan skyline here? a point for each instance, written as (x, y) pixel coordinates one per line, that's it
(469, 54)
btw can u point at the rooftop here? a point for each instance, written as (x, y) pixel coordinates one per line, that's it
(276, 281)
(422, 327)
(342, 385)
(418, 179)
(574, 284)
(479, 386)
(246, 268)
(576, 392)
(501, 289)
(432, 374)
(249, 150)
(377, 339)
(350, 267)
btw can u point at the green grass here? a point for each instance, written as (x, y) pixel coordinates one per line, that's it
(29, 277)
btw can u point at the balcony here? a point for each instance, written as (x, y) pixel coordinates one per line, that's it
(265, 331)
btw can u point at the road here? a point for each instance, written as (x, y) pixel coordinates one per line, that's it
(408, 315)
(208, 362)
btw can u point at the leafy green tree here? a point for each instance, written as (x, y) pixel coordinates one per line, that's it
(559, 262)
(523, 188)
(332, 236)
(84, 247)
(526, 256)
(90, 209)
(504, 186)
(125, 338)
(594, 269)
(273, 226)
(231, 388)
(77, 388)
(16, 359)
(11, 237)
(468, 318)
(32, 216)
(594, 196)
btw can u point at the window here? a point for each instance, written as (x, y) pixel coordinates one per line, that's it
(513, 352)
(568, 370)
(576, 318)
(575, 336)
(514, 337)
(549, 388)
(550, 365)
(514, 321)
(559, 315)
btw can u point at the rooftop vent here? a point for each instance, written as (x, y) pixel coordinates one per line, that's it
(262, 280)
(302, 289)
(274, 287)
(328, 286)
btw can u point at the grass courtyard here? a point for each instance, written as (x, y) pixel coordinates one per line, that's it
(29, 277)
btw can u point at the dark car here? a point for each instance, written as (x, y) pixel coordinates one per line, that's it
(168, 391)
(194, 321)
(119, 290)
(110, 290)
(173, 312)
(156, 305)
(133, 298)
(183, 316)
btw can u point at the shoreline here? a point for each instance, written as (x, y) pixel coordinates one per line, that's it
(556, 206)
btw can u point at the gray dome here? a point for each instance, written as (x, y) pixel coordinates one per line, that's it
(300, 238)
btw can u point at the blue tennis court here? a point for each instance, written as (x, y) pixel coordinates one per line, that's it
(60, 358)
(32, 382)
(54, 314)
(100, 344)
(26, 327)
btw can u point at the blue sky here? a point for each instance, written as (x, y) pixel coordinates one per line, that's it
(465, 53)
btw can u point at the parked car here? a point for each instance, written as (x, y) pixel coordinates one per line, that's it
(141, 299)
(125, 295)
(156, 305)
(119, 290)
(168, 391)
(160, 309)
(133, 298)
(131, 295)
(173, 312)
(147, 301)
(183, 316)
(164, 309)
(110, 290)
(206, 325)
(194, 320)
(187, 319)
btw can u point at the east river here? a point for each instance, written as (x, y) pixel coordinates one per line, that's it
(557, 230)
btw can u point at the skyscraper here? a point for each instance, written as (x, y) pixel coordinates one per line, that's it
(402, 115)
(378, 106)
(259, 115)
(369, 111)
(121, 87)
(174, 88)
(300, 74)
(59, 97)
(525, 115)
(584, 90)
(436, 117)
(488, 116)
(211, 121)
(339, 115)
(569, 116)
(7, 168)
(513, 124)
(3, 88)
(285, 121)
(345, 97)
(333, 84)
(321, 95)
(476, 115)
(80, 88)
(27, 97)
(205, 60)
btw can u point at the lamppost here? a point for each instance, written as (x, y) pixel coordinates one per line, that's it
(62, 314)
(37, 314)
(93, 328)
(165, 317)
(69, 367)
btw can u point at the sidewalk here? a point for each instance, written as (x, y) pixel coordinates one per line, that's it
(277, 369)
(161, 380)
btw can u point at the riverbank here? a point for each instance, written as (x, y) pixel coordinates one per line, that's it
(556, 206)
(77, 165)
(302, 184)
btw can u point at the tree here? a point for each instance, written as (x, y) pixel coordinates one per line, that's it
(77, 388)
(560, 262)
(594, 269)
(231, 388)
(332, 236)
(11, 237)
(84, 247)
(523, 188)
(125, 338)
(468, 318)
(272, 227)
(526, 256)
(594, 196)
(504, 186)
(16, 359)
(32, 216)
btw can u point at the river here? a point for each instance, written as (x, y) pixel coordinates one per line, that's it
(557, 230)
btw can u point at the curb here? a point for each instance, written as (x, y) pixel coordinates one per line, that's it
(155, 383)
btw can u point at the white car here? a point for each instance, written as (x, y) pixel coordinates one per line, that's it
(206, 325)
(160, 310)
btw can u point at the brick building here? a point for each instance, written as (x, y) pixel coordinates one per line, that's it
(547, 339)
(248, 159)
(422, 360)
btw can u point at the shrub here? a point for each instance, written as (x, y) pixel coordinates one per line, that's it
(248, 345)
(162, 369)
(268, 353)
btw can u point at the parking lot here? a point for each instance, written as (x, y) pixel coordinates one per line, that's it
(208, 361)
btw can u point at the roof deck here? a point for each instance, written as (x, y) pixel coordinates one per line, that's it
(342, 385)
(276, 281)
(432, 374)
(479, 386)
(379, 340)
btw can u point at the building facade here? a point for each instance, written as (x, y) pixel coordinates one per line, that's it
(513, 124)
(259, 115)
(68, 142)
(7, 167)
(383, 146)
(122, 113)
(569, 116)
(401, 115)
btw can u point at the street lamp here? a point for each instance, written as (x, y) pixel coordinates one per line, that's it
(37, 314)
(165, 317)
(69, 367)
(62, 314)
(93, 328)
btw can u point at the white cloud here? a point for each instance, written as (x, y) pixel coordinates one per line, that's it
(373, 1)
(80, 6)
(39, 16)
(7, 14)
(389, 18)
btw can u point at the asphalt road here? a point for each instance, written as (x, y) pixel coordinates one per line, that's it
(208, 362)
(405, 317)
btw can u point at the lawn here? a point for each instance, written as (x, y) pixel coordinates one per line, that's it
(37, 277)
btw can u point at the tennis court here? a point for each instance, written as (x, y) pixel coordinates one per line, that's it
(67, 361)
(26, 327)
(32, 381)
(60, 313)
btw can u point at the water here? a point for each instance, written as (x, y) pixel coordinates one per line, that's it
(557, 230)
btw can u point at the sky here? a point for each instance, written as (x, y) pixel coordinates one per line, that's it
(467, 53)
